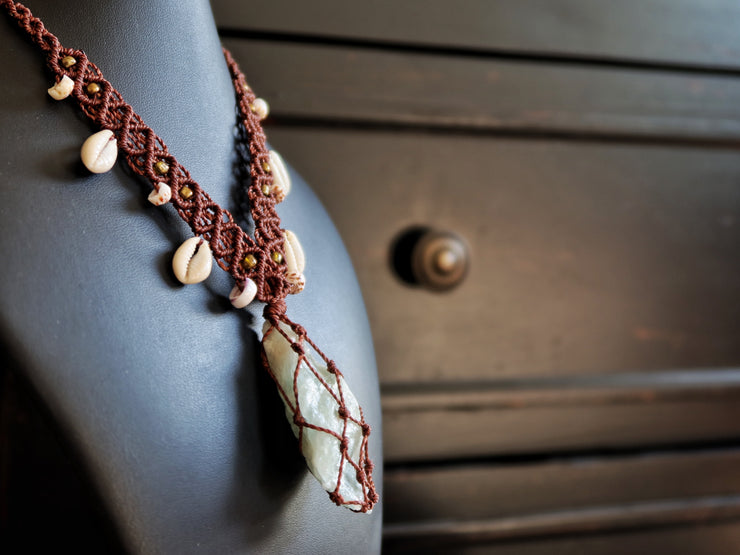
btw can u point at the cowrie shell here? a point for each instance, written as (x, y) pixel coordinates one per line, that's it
(242, 295)
(99, 151)
(280, 177)
(295, 260)
(192, 261)
(63, 89)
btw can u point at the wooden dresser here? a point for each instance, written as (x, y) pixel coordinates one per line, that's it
(579, 391)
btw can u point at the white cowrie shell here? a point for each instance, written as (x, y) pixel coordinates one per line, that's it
(99, 151)
(280, 177)
(192, 261)
(260, 107)
(242, 296)
(297, 282)
(295, 260)
(161, 196)
(63, 89)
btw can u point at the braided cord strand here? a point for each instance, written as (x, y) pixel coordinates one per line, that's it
(230, 244)
(142, 149)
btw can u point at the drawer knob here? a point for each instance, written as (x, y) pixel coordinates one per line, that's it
(439, 260)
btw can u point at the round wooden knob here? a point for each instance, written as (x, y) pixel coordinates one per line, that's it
(439, 260)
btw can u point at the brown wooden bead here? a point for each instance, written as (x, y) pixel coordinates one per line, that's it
(249, 262)
(162, 167)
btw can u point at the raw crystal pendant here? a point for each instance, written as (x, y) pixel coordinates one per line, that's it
(324, 415)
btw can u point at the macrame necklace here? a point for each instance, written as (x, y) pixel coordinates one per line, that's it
(324, 414)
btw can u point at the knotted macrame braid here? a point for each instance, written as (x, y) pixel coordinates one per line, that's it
(230, 244)
(142, 149)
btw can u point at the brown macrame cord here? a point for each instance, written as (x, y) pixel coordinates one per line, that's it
(230, 244)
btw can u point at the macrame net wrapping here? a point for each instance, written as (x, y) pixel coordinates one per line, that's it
(325, 416)
(230, 244)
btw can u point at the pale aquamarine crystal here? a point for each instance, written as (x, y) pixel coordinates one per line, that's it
(320, 408)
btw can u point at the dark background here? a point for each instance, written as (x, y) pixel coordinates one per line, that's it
(580, 391)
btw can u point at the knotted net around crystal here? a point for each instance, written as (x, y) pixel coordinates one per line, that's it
(324, 414)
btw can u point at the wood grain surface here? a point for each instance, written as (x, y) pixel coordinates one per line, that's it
(682, 32)
(580, 391)
(587, 258)
(483, 94)
(480, 491)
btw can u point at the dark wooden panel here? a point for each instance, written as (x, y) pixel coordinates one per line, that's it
(519, 419)
(721, 538)
(624, 388)
(597, 266)
(666, 31)
(600, 519)
(500, 491)
(588, 258)
(367, 85)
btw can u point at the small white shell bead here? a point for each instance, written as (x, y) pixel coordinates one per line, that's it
(260, 107)
(243, 294)
(297, 282)
(192, 261)
(280, 177)
(160, 196)
(295, 261)
(99, 151)
(63, 89)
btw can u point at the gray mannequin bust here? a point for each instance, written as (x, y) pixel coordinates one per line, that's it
(157, 388)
